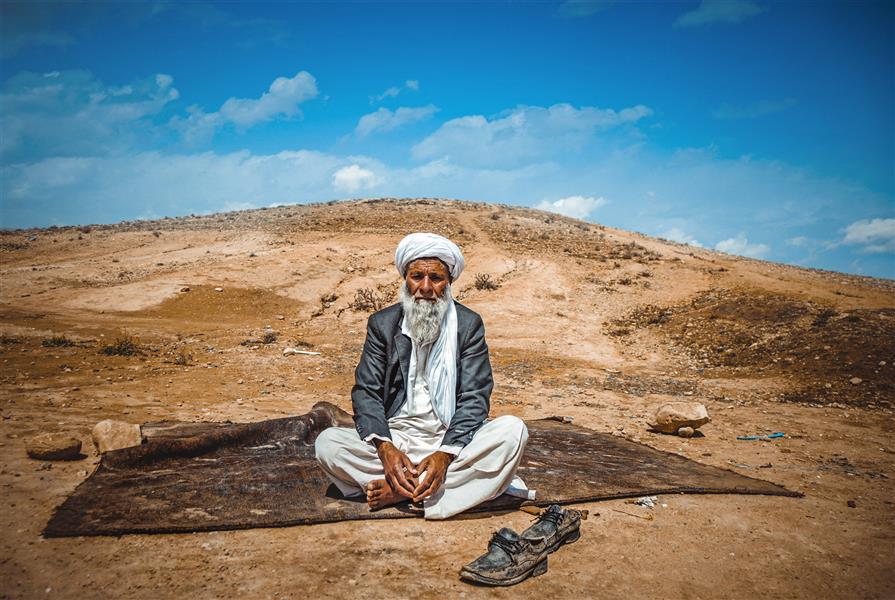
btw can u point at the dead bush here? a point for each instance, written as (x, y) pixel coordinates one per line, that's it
(125, 345)
(57, 341)
(367, 299)
(483, 281)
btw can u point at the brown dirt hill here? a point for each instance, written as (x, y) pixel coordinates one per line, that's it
(582, 320)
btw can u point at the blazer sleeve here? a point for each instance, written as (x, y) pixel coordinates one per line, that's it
(368, 393)
(474, 384)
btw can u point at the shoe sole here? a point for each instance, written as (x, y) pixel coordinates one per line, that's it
(538, 569)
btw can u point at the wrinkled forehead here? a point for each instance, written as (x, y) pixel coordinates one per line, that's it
(429, 263)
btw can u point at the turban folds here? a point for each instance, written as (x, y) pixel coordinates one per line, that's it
(429, 245)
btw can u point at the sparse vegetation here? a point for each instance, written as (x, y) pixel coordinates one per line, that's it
(57, 341)
(125, 345)
(367, 299)
(269, 337)
(483, 281)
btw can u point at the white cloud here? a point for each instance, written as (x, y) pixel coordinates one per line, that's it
(675, 234)
(353, 178)
(753, 111)
(876, 235)
(282, 99)
(719, 11)
(740, 245)
(577, 207)
(525, 133)
(394, 91)
(71, 113)
(799, 241)
(386, 120)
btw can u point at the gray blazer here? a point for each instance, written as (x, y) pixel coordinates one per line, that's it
(380, 379)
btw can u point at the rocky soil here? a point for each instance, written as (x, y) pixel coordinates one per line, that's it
(188, 318)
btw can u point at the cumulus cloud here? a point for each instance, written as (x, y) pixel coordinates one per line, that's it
(386, 120)
(710, 12)
(522, 134)
(577, 207)
(71, 113)
(393, 92)
(676, 234)
(353, 178)
(740, 245)
(876, 236)
(753, 111)
(282, 99)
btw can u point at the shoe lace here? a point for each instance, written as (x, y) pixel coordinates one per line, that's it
(550, 516)
(509, 546)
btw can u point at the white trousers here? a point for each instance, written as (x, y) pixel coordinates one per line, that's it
(483, 470)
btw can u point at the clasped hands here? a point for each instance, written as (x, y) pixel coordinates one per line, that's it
(405, 477)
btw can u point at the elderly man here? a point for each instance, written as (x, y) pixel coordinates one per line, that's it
(421, 397)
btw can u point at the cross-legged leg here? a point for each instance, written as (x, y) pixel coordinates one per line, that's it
(483, 470)
(350, 462)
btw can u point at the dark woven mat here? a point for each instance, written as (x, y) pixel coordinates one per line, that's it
(212, 476)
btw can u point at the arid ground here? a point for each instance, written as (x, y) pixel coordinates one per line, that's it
(582, 320)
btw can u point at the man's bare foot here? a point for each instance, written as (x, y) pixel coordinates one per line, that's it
(380, 494)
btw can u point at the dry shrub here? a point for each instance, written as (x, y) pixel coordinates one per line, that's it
(367, 299)
(57, 341)
(483, 281)
(125, 345)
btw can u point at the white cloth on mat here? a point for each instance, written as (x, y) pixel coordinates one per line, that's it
(484, 468)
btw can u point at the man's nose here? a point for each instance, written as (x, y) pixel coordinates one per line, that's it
(426, 287)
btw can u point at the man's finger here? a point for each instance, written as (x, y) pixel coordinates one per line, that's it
(408, 464)
(401, 484)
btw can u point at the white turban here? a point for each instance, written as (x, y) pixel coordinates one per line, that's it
(429, 245)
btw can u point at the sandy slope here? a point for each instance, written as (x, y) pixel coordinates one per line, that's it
(599, 324)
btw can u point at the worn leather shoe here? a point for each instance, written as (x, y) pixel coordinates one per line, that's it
(509, 560)
(555, 526)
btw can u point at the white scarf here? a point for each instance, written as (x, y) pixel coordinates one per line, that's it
(441, 372)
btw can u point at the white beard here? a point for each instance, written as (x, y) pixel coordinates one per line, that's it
(424, 317)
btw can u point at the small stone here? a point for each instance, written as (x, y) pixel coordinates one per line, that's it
(686, 432)
(219, 289)
(113, 435)
(828, 385)
(240, 382)
(672, 416)
(855, 380)
(852, 504)
(882, 363)
(54, 446)
(279, 317)
(185, 288)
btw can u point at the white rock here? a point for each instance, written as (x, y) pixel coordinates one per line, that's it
(855, 380)
(686, 432)
(291, 351)
(114, 435)
(672, 416)
(219, 289)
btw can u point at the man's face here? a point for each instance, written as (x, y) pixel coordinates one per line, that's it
(426, 279)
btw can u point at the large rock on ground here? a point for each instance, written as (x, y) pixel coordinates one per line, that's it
(114, 435)
(54, 446)
(672, 416)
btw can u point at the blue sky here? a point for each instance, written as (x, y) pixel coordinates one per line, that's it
(755, 128)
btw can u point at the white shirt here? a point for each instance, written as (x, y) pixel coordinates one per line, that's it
(416, 417)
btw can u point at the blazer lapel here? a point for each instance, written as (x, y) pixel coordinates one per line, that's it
(404, 347)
